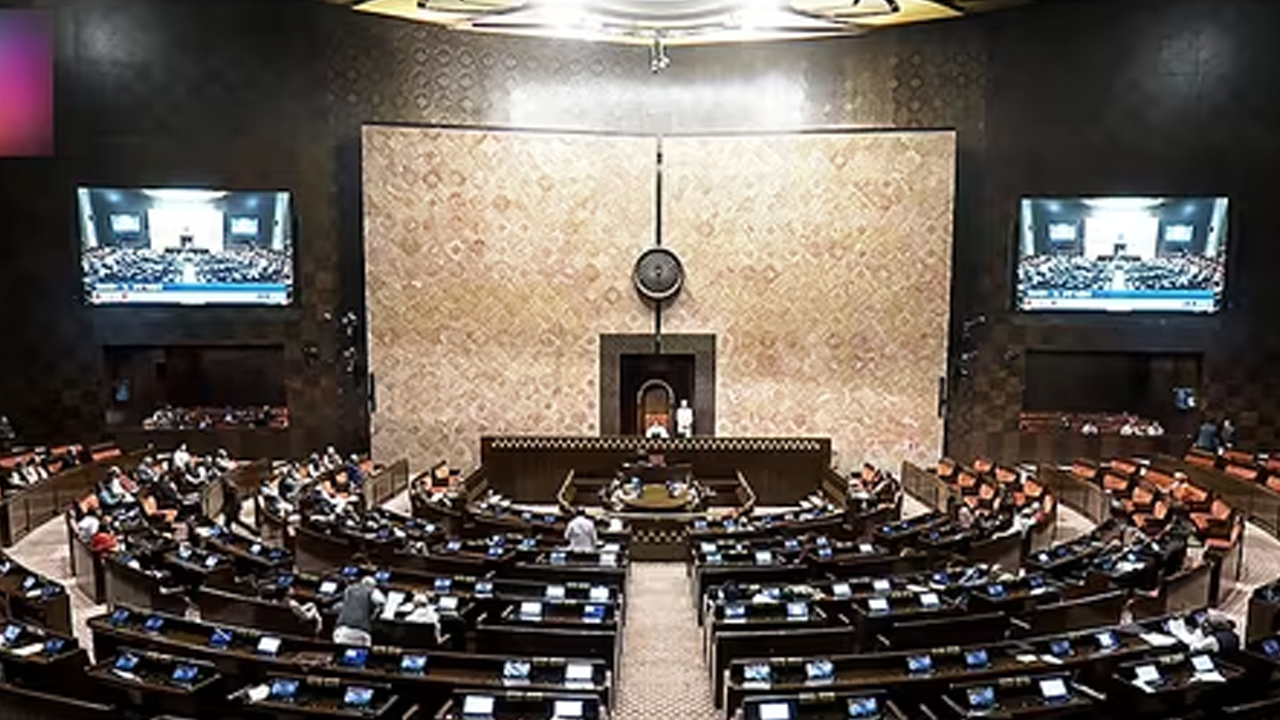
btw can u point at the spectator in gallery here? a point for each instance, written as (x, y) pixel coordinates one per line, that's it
(111, 490)
(360, 603)
(1088, 428)
(1227, 434)
(1129, 428)
(684, 420)
(104, 540)
(1207, 436)
(181, 457)
(581, 532)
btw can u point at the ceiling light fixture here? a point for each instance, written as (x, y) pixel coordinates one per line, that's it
(663, 24)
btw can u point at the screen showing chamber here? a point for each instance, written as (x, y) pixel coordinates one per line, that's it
(1122, 254)
(186, 246)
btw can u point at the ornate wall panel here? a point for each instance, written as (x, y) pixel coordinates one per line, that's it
(822, 262)
(493, 262)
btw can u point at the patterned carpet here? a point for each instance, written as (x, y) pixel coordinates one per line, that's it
(663, 673)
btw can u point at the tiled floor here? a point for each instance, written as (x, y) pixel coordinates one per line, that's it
(663, 672)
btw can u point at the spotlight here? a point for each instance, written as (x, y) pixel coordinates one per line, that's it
(658, 59)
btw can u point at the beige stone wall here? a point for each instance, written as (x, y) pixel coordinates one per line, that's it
(823, 264)
(494, 261)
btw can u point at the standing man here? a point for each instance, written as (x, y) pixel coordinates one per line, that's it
(684, 420)
(581, 532)
(360, 603)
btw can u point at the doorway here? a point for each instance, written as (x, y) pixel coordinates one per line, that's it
(684, 363)
(651, 389)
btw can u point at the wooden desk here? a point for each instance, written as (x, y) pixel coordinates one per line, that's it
(889, 670)
(149, 683)
(33, 598)
(318, 697)
(24, 510)
(1020, 697)
(430, 688)
(35, 705)
(780, 470)
(519, 705)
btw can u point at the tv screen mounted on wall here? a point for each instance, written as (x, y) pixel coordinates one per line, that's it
(186, 246)
(1122, 254)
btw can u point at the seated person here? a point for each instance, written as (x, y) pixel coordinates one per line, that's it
(355, 472)
(86, 517)
(104, 540)
(111, 490)
(223, 461)
(307, 612)
(422, 611)
(181, 457)
(152, 510)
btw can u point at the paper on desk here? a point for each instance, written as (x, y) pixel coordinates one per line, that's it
(1211, 676)
(258, 693)
(1160, 640)
(917, 588)
(1143, 686)
(1051, 659)
(394, 600)
(27, 650)
(1027, 658)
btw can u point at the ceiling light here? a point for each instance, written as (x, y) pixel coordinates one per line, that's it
(665, 22)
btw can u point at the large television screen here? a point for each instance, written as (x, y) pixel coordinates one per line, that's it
(1122, 254)
(186, 247)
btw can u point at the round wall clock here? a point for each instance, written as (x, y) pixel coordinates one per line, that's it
(658, 275)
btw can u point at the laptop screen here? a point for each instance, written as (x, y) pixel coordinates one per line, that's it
(354, 657)
(357, 696)
(184, 673)
(1053, 689)
(864, 707)
(775, 711)
(283, 689)
(516, 670)
(919, 664)
(982, 698)
(568, 709)
(477, 705)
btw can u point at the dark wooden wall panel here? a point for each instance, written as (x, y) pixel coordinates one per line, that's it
(1171, 96)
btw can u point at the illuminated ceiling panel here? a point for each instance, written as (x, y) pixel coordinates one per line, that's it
(669, 22)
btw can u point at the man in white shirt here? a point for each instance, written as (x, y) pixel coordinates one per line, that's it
(181, 457)
(581, 532)
(684, 419)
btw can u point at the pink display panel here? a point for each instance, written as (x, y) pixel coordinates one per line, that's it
(26, 83)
